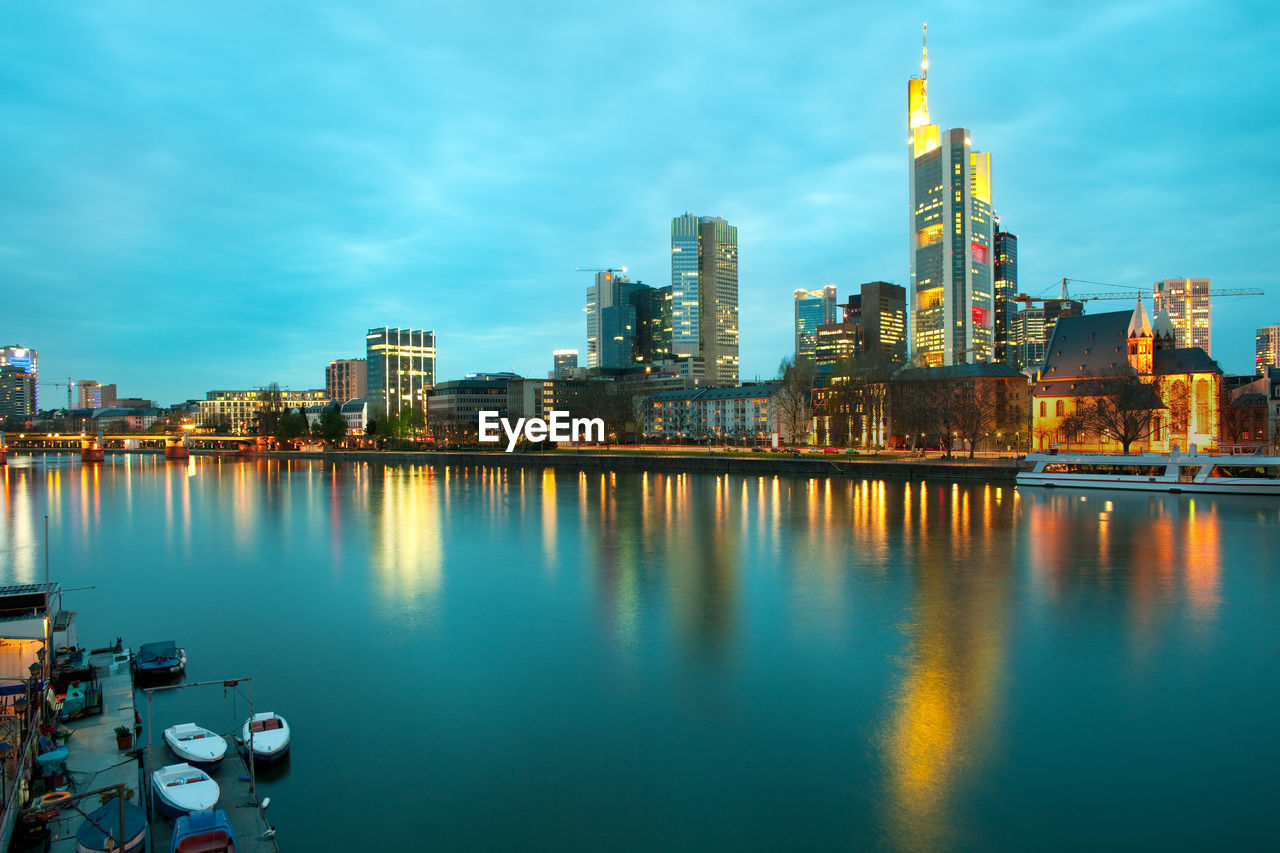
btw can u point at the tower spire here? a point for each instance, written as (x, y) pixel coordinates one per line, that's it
(924, 57)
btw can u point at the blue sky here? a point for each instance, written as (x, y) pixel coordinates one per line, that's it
(201, 196)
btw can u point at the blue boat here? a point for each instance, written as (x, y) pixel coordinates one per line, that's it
(90, 837)
(203, 832)
(159, 659)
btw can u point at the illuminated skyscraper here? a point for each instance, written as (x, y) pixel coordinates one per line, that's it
(704, 294)
(1006, 288)
(28, 361)
(952, 304)
(1267, 344)
(883, 308)
(601, 295)
(401, 368)
(565, 360)
(1186, 301)
(813, 308)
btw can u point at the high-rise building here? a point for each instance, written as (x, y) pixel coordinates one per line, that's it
(1028, 339)
(704, 294)
(618, 324)
(601, 294)
(952, 236)
(88, 395)
(346, 379)
(401, 369)
(883, 309)
(813, 308)
(1006, 289)
(1186, 301)
(564, 361)
(1267, 347)
(17, 392)
(25, 359)
(653, 323)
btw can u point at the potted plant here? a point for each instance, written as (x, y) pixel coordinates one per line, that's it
(124, 737)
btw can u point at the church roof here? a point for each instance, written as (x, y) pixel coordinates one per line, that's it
(1162, 326)
(1139, 324)
(1186, 360)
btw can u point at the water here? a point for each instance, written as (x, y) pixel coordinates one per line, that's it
(491, 659)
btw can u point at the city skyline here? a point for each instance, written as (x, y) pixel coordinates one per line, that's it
(179, 179)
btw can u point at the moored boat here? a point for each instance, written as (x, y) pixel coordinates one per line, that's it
(90, 837)
(159, 659)
(195, 744)
(180, 789)
(267, 735)
(203, 832)
(1156, 472)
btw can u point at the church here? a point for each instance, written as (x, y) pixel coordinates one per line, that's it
(1118, 344)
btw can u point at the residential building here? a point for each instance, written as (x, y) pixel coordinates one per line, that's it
(952, 238)
(564, 361)
(1186, 301)
(1005, 255)
(401, 369)
(17, 392)
(1267, 349)
(747, 413)
(356, 414)
(813, 308)
(241, 408)
(346, 379)
(1119, 345)
(28, 361)
(704, 294)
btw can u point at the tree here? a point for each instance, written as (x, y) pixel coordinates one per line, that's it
(270, 410)
(980, 408)
(793, 396)
(292, 424)
(1122, 408)
(332, 426)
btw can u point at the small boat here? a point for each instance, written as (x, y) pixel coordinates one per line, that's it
(195, 744)
(159, 659)
(1155, 472)
(90, 837)
(203, 832)
(268, 733)
(181, 788)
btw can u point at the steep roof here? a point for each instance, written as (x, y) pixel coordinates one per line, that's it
(980, 370)
(1139, 323)
(1089, 345)
(1186, 360)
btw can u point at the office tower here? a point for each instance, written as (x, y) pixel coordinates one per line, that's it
(17, 392)
(813, 308)
(1006, 288)
(601, 294)
(1267, 347)
(564, 362)
(1029, 339)
(618, 322)
(88, 395)
(346, 379)
(952, 235)
(27, 360)
(883, 311)
(1186, 301)
(653, 323)
(401, 369)
(704, 294)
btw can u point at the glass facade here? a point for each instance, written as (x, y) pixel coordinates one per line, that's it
(1267, 349)
(704, 293)
(401, 369)
(1186, 301)
(813, 308)
(28, 361)
(1006, 289)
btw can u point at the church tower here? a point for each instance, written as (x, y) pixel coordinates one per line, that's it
(1141, 341)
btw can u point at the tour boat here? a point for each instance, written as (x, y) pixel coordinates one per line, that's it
(269, 733)
(181, 788)
(1156, 472)
(159, 659)
(195, 744)
(203, 832)
(101, 829)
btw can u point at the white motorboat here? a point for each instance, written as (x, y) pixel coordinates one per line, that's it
(181, 789)
(195, 744)
(267, 734)
(1156, 472)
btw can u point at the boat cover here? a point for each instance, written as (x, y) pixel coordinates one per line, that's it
(204, 832)
(90, 837)
(157, 652)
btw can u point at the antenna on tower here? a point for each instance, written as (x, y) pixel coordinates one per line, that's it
(924, 58)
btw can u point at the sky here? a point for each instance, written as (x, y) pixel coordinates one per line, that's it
(219, 196)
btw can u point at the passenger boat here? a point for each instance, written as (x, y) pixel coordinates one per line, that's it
(267, 734)
(195, 744)
(1156, 472)
(90, 837)
(181, 788)
(203, 832)
(159, 659)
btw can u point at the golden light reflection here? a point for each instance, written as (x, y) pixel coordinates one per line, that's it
(408, 546)
(550, 555)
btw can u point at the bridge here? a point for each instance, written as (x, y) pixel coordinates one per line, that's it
(92, 447)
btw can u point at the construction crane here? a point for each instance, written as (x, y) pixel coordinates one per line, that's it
(1134, 293)
(69, 385)
(600, 269)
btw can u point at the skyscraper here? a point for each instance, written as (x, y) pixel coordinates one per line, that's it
(1186, 301)
(346, 379)
(17, 392)
(401, 369)
(88, 394)
(884, 315)
(1006, 288)
(953, 312)
(653, 323)
(813, 308)
(601, 294)
(704, 294)
(28, 361)
(1267, 346)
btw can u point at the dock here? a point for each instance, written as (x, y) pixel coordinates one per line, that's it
(94, 761)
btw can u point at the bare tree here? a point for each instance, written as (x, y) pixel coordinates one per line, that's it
(1122, 408)
(793, 397)
(979, 409)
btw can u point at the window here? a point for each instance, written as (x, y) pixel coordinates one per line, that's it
(1042, 408)
(1060, 408)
